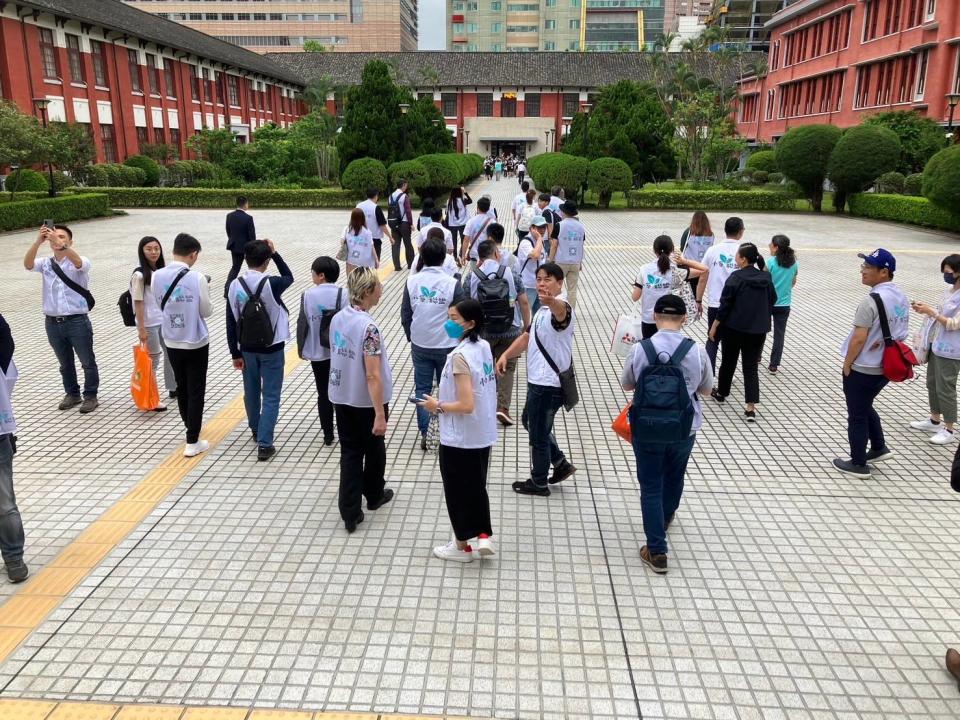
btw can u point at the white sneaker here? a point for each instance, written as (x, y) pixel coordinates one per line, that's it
(193, 449)
(943, 437)
(450, 551)
(484, 546)
(926, 424)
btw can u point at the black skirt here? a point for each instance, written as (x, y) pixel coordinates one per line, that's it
(464, 474)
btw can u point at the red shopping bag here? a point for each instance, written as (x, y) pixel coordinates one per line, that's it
(621, 426)
(143, 383)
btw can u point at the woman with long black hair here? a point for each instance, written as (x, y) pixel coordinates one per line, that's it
(783, 268)
(147, 310)
(457, 213)
(655, 280)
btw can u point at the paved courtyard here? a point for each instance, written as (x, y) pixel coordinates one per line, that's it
(794, 592)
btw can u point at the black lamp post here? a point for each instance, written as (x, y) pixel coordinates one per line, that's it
(952, 100)
(587, 107)
(404, 107)
(41, 105)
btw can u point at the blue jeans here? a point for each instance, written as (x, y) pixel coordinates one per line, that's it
(262, 379)
(11, 526)
(660, 470)
(74, 334)
(863, 422)
(543, 401)
(427, 365)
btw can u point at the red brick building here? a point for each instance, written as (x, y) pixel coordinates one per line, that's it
(133, 78)
(837, 61)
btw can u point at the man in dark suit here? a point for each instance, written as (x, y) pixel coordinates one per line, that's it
(240, 231)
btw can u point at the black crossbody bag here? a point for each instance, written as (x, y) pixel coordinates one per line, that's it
(173, 286)
(77, 288)
(568, 378)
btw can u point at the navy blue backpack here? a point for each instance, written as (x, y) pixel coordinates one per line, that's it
(662, 411)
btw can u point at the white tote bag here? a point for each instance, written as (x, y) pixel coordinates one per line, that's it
(626, 334)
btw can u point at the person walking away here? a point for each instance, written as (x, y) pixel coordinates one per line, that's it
(527, 213)
(719, 259)
(568, 250)
(655, 280)
(361, 386)
(449, 265)
(943, 357)
(475, 232)
(742, 322)
(424, 219)
(183, 295)
(557, 196)
(399, 206)
(240, 231)
(519, 200)
(862, 352)
(147, 311)
(466, 405)
(376, 222)
(521, 171)
(436, 222)
(783, 268)
(361, 247)
(552, 331)
(696, 240)
(506, 311)
(498, 168)
(12, 537)
(530, 256)
(457, 214)
(667, 370)
(318, 305)
(258, 327)
(66, 306)
(427, 297)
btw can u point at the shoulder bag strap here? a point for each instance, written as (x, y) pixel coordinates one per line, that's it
(543, 351)
(650, 350)
(473, 242)
(173, 285)
(681, 352)
(882, 313)
(76, 287)
(339, 297)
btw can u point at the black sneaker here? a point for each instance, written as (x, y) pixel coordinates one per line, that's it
(384, 499)
(528, 487)
(265, 453)
(846, 466)
(750, 415)
(351, 525)
(328, 440)
(773, 369)
(717, 396)
(172, 394)
(17, 571)
(657, 563)
(423, 443)
(563, 471)
(880, 455)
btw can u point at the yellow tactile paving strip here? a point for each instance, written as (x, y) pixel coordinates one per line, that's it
(23, 612)
(53, 710)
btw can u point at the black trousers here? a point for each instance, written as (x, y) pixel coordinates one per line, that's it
(407, 245)
(234, 270)
(363, 459)
(464, 474)
(190, 370)
(321, 374)
(747, 347)
(378, 246)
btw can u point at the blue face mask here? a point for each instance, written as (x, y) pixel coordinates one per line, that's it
(454, 329)
(949, 278)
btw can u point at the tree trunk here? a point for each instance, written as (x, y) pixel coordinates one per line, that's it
(816, 200)
(839, 200)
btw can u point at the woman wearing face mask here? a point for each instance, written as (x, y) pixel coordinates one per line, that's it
(147, 310)
(742, 324)
(943, 357)
(656, 280)
(467, 405)
(783, 268)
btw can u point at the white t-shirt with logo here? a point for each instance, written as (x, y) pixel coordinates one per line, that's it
(447, 235)
(654, 286)
(720, 261)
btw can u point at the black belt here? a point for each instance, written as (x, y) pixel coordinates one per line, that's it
(63, 318)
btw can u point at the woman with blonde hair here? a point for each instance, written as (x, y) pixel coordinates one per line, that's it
(359, 243)
(695, 242)
(361, 385)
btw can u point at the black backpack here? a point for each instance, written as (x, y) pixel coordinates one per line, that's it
(493, 294)
(125, 303)
(393, 210)
(254, 329)
(662, 411)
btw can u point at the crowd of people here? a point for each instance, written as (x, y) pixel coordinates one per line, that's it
(504, 165)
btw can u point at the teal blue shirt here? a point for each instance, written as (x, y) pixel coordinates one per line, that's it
(782, 281)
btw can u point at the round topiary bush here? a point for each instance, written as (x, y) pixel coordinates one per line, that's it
(760, 177)
(415, 173)
(775, 178)
(765, 160)
(364, 173)
(444, 173)
(607, 176)
(861, 155)
(803, 155)
(149, 166)
(890, 183)
(26, 180)
(98, 176)
(941, 178)
(913, 184)
(132, 176)
(570, 172)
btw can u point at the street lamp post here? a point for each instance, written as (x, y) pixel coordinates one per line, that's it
(41, 104)
(466, 141)
(586, 145)
(546, 141)
(952, 100)
(403, 128)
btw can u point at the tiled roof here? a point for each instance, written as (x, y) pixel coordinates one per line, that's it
(117, 15)
(455, 69)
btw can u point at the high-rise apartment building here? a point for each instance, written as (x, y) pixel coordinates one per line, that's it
(285, 25)
(745, 20)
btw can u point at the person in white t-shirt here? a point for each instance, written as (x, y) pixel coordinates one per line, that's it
(519, 200)
(359, 242)
(521, 171)
(659, 278)
(147, 311)
(551, 328)
(720, 262)
(530, 256)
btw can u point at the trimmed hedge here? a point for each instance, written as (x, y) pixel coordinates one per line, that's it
(66, 208)
(29, 181)
(227, 199)
(765, 160)
(413, 171)
(913, 184)
(710, 200)
(364, 173)
(551, 169)
(903, 209)
(607, 176)
(150, 167)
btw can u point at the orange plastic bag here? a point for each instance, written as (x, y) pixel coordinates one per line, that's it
(143, 383)
(621, 426)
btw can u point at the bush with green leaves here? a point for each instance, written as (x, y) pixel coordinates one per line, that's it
(890, 183)
(413, 171)
(607, 176)
(760, 177)
(64, 208)
(568, 171)
(904, 209)
(861, 155)
(920, 137)
(444, 173)
(803, 155)
(775, 178)
(26, 179)
(150, 168)
(941, 178)
(710, 200)
(765, 160)
(913, 184)
(364, 173)
(140, 197)
(132, 176)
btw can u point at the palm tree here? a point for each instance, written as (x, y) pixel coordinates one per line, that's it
(317, 91)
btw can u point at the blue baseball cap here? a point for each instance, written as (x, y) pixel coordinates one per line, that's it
(539, 221)
(880, 258)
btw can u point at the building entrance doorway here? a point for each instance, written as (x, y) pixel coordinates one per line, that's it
(508, 147)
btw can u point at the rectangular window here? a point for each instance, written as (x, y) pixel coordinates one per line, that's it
(485, 104)
(931, 9)
(448, 102)
(571, 104)
(496, 27)
(549, 24)
(233, 88)
(575, 24)
(158, 136)
(922, 61)
(471, 27)
(99, 63)
(531, 105)
(194, 84)
(508, 107)
(175, 141)
(48, 55)
(142, 139)
(549, 45)
(153, 74)
(575, 3)
(168, 78)
(133, 65)
(109, 141)
(496, 6)
(77, 73)
(551, 3)
(458, 28)
(771, 99)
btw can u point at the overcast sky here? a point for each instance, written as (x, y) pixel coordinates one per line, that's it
(432, 24)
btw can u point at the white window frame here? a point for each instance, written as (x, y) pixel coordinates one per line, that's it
(923, 65)
(771, 102)
(931, 9)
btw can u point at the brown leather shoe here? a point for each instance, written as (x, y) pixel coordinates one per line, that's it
(953, 664)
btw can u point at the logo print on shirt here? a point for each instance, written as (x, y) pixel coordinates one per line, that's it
(176, 295)
(339, 341)
(901, 312)
(487, 368)
(320, 309)
(426, 293)
(242, 297)
(728, 261)
(656, 283)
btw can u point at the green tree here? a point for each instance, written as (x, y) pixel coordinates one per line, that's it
(803, 155)
(607, 176)
(71, 148)
(941, 178)
(627, 122)
(22, 141)
(426, 130)
(214, 146)
(861, 155)
(920, 137)
(313, 46)
(763, 160)
(317, 131)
